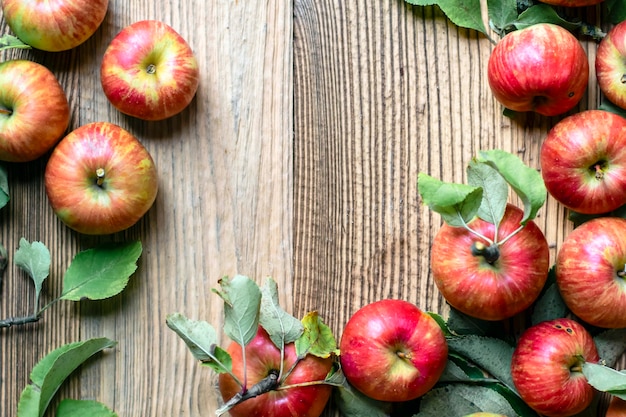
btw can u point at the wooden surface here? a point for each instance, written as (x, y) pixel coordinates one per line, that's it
(298, 159)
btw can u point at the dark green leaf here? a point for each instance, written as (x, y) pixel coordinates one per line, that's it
(606, 379)
(51, 371)
(441, 322)
(463, 13)
(281, 326)
(502, 13)
(457, 203)
(352, 403)
(463, 399)
(317, 338)
(525, 181)
(549, 304)
(495, 191)
(82, 408)
(543, 13)
(242, 303)
(34, 259)
(4, 186)
(462, 324)
(611, 344)
(607, 105)
(201, 339)
(617, 10)
(101, 272)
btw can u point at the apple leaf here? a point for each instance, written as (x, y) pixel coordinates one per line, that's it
(51, 371)
(456, 203)
(81, 408)
(9, 41)
(495, 191)
(463, 399)
(617, 10)
(242, 303)
(281, 326)
(543, 13)
(489, 353)
(549, 305)
(317, 338)
(101, 272)
(611, 344)
(525, 181)
(34, 259)
(4, 186)
(463, 13)
(462, 324)
(606, 379)
(201, 339)
(502, 14)
(352, 403)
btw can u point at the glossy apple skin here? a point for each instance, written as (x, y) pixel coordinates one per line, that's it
(589, 268)
(54, 25)
(611, 65)
(541, 367)
(491, 291)
(572, 3)
(372, 341)
(519, 63)
(583, 161)
(34, 111)
(129, 179)
(617, 408)
(262, 357)
(149, 71)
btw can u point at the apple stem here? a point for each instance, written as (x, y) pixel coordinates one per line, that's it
(267, 384)
(100, 176)
(5, 111)
(491, 253)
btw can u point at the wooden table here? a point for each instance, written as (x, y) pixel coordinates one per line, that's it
(298, 159)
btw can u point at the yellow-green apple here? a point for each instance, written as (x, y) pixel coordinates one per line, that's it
(391, 350)
(617, 407)
(149, 71)
(34, 111)
(572, 3)
(521, 61)
(100, 179)
(490, 281)
(546, 367)
(54, 25)
(611, 65)
(297, 393)
(583, 161)
(591, 271)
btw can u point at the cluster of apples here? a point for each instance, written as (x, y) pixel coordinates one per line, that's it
(99, 178)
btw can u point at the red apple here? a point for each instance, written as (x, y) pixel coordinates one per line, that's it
(54, 25)
(617, 407)
(392, 351)
(100, 179)
(611, 65)
(591, 272)
(499, 281)
(263, 358)
(149, 71)
(34, 111)
(572, 3)
(541, 68)
(583, 161)
(546, 367)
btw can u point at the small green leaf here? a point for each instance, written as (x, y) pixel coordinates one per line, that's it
(201, 339)
(525, 181)
(9, 41)
(463, 13)
(611, 344)
(457, 203)
(352, 403)
(4, 186)
(82, 408)
(242, 303)
(34, 259)
(543, 13)
(495, 191)
(605, 379)
(281, 326)
(317, 338)
(502, 14)
(52, 370)
(101, 272)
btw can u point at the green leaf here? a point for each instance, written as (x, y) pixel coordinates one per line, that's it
(605, 379)
(4, 186)
(82, 408)
(281, 326)
(441, 322)
(462, 324)
(617, 10)
(456, 203)
(242, 303)
(101, 272)
(611, 344)
(490, 354)
(543, 13)
(34, 259)
(201, 339)
(549, 304)
(495, 191)
(463, 13)
(9, 41)
(502, 14)
(607, 105)
(525, 181)
(352, 403)
(317, 338)
(463, 399)
(51, 371)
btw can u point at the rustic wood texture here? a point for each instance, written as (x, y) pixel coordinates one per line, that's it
(298, 159)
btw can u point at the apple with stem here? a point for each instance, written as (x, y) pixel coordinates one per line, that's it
(149, 71)
(34, 111)
(54, 25)
(519, 62)
(392, 351)
(583, 161)
(100, 179)
(611, 65)
(546, 367)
